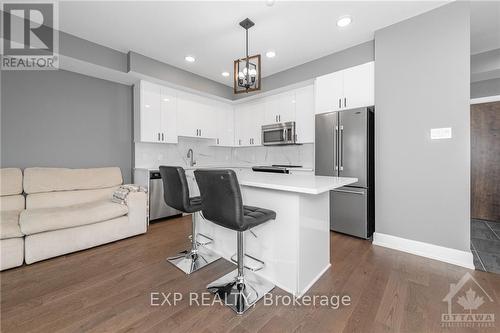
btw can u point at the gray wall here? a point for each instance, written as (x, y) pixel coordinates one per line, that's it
(350, 57)
(147, 66)
(485, 88)
(422, 81)
(63, 119)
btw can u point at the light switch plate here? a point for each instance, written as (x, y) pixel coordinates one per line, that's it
(441, 133)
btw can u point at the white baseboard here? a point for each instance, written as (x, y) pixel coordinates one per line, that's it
(488, 99)
(441, 253)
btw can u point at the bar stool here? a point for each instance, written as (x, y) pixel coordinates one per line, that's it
(176, 195)
(222, 204)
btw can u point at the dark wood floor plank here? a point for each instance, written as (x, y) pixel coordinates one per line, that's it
(108, 288)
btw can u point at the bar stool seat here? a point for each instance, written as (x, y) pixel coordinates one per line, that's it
(253, 216)
(176, 195)
(221, 203)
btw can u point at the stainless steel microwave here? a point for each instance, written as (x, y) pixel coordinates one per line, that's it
(279, 134)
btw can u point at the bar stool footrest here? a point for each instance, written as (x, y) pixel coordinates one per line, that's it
(254, 264)
(201, 239)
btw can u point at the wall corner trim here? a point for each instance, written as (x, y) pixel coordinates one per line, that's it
(436, 252)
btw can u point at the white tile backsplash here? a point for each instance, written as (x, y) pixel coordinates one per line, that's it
(151, 155)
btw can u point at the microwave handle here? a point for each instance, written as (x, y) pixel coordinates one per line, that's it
(285, 134)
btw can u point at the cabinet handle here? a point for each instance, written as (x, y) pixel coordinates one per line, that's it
(200, 132)
(162, 137)
(158, 136)
(340, 103)
(217, 140)
(276, 118)
(279, 118)
(239, 142)
(345, 102)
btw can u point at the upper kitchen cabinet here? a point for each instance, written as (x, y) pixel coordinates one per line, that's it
(154, 120)
(280, 108)
(249, 118)
(196, 117)
(304, 114)
(168, 107)
(329, 91)
(224, 116)
(347, 89)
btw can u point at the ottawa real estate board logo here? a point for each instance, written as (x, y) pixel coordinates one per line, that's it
(469, 305)
(30, 39)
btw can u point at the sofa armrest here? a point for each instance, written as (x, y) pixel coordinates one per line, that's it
(137, 203)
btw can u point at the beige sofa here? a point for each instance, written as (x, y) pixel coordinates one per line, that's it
(11, 204)
(69, 210)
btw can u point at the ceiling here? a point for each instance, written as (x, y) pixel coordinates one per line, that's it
(168, 31)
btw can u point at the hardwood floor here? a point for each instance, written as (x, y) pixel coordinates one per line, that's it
(107, 289)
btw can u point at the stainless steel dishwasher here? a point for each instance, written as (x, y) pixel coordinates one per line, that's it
(158, 209)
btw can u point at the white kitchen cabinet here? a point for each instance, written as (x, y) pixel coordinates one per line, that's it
(304, 114)
(359, 86)
(280, 108)
(224, 116)
(168, 107)
(195, 117)
(151, 115)
(249, 118)
(346, 89)
(329, 91)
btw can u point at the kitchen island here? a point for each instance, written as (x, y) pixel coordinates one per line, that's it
(296, 246)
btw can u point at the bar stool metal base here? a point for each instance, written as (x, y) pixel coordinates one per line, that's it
(191, 261)
(237, 294)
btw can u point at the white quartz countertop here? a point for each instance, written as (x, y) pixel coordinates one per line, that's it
(308, 184)
(220, 166)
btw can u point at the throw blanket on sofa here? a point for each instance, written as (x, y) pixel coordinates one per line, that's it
(121, 194)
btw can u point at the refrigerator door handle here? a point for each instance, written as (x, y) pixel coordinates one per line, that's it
(353, 192)
(336, 151)
(341, 148)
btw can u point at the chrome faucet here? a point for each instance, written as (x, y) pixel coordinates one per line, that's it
(190, 155)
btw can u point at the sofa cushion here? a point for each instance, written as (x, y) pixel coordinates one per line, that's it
(37, 220)
(9, 224)
(38, 180)
(11, 181)
(12, 202)
(68, 198)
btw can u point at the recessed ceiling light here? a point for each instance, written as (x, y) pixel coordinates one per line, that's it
(270, 54)
(344, 21)
(270, 3)
(189, 58)
(166, 100)
(225, 74)
(147, 105)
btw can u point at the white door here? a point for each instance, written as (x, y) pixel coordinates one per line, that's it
(168, 103)
(272, 108)
(304, 114)
(150, 112)
(286, 107)
(187, 117)
(225, 125)
(329, 90)
(359, 86)
(206, 120)
(255, 115)
(241, 125)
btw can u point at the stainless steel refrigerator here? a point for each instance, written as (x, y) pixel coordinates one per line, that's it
(344, 147)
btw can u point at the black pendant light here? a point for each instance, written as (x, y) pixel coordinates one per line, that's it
(247, 76)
